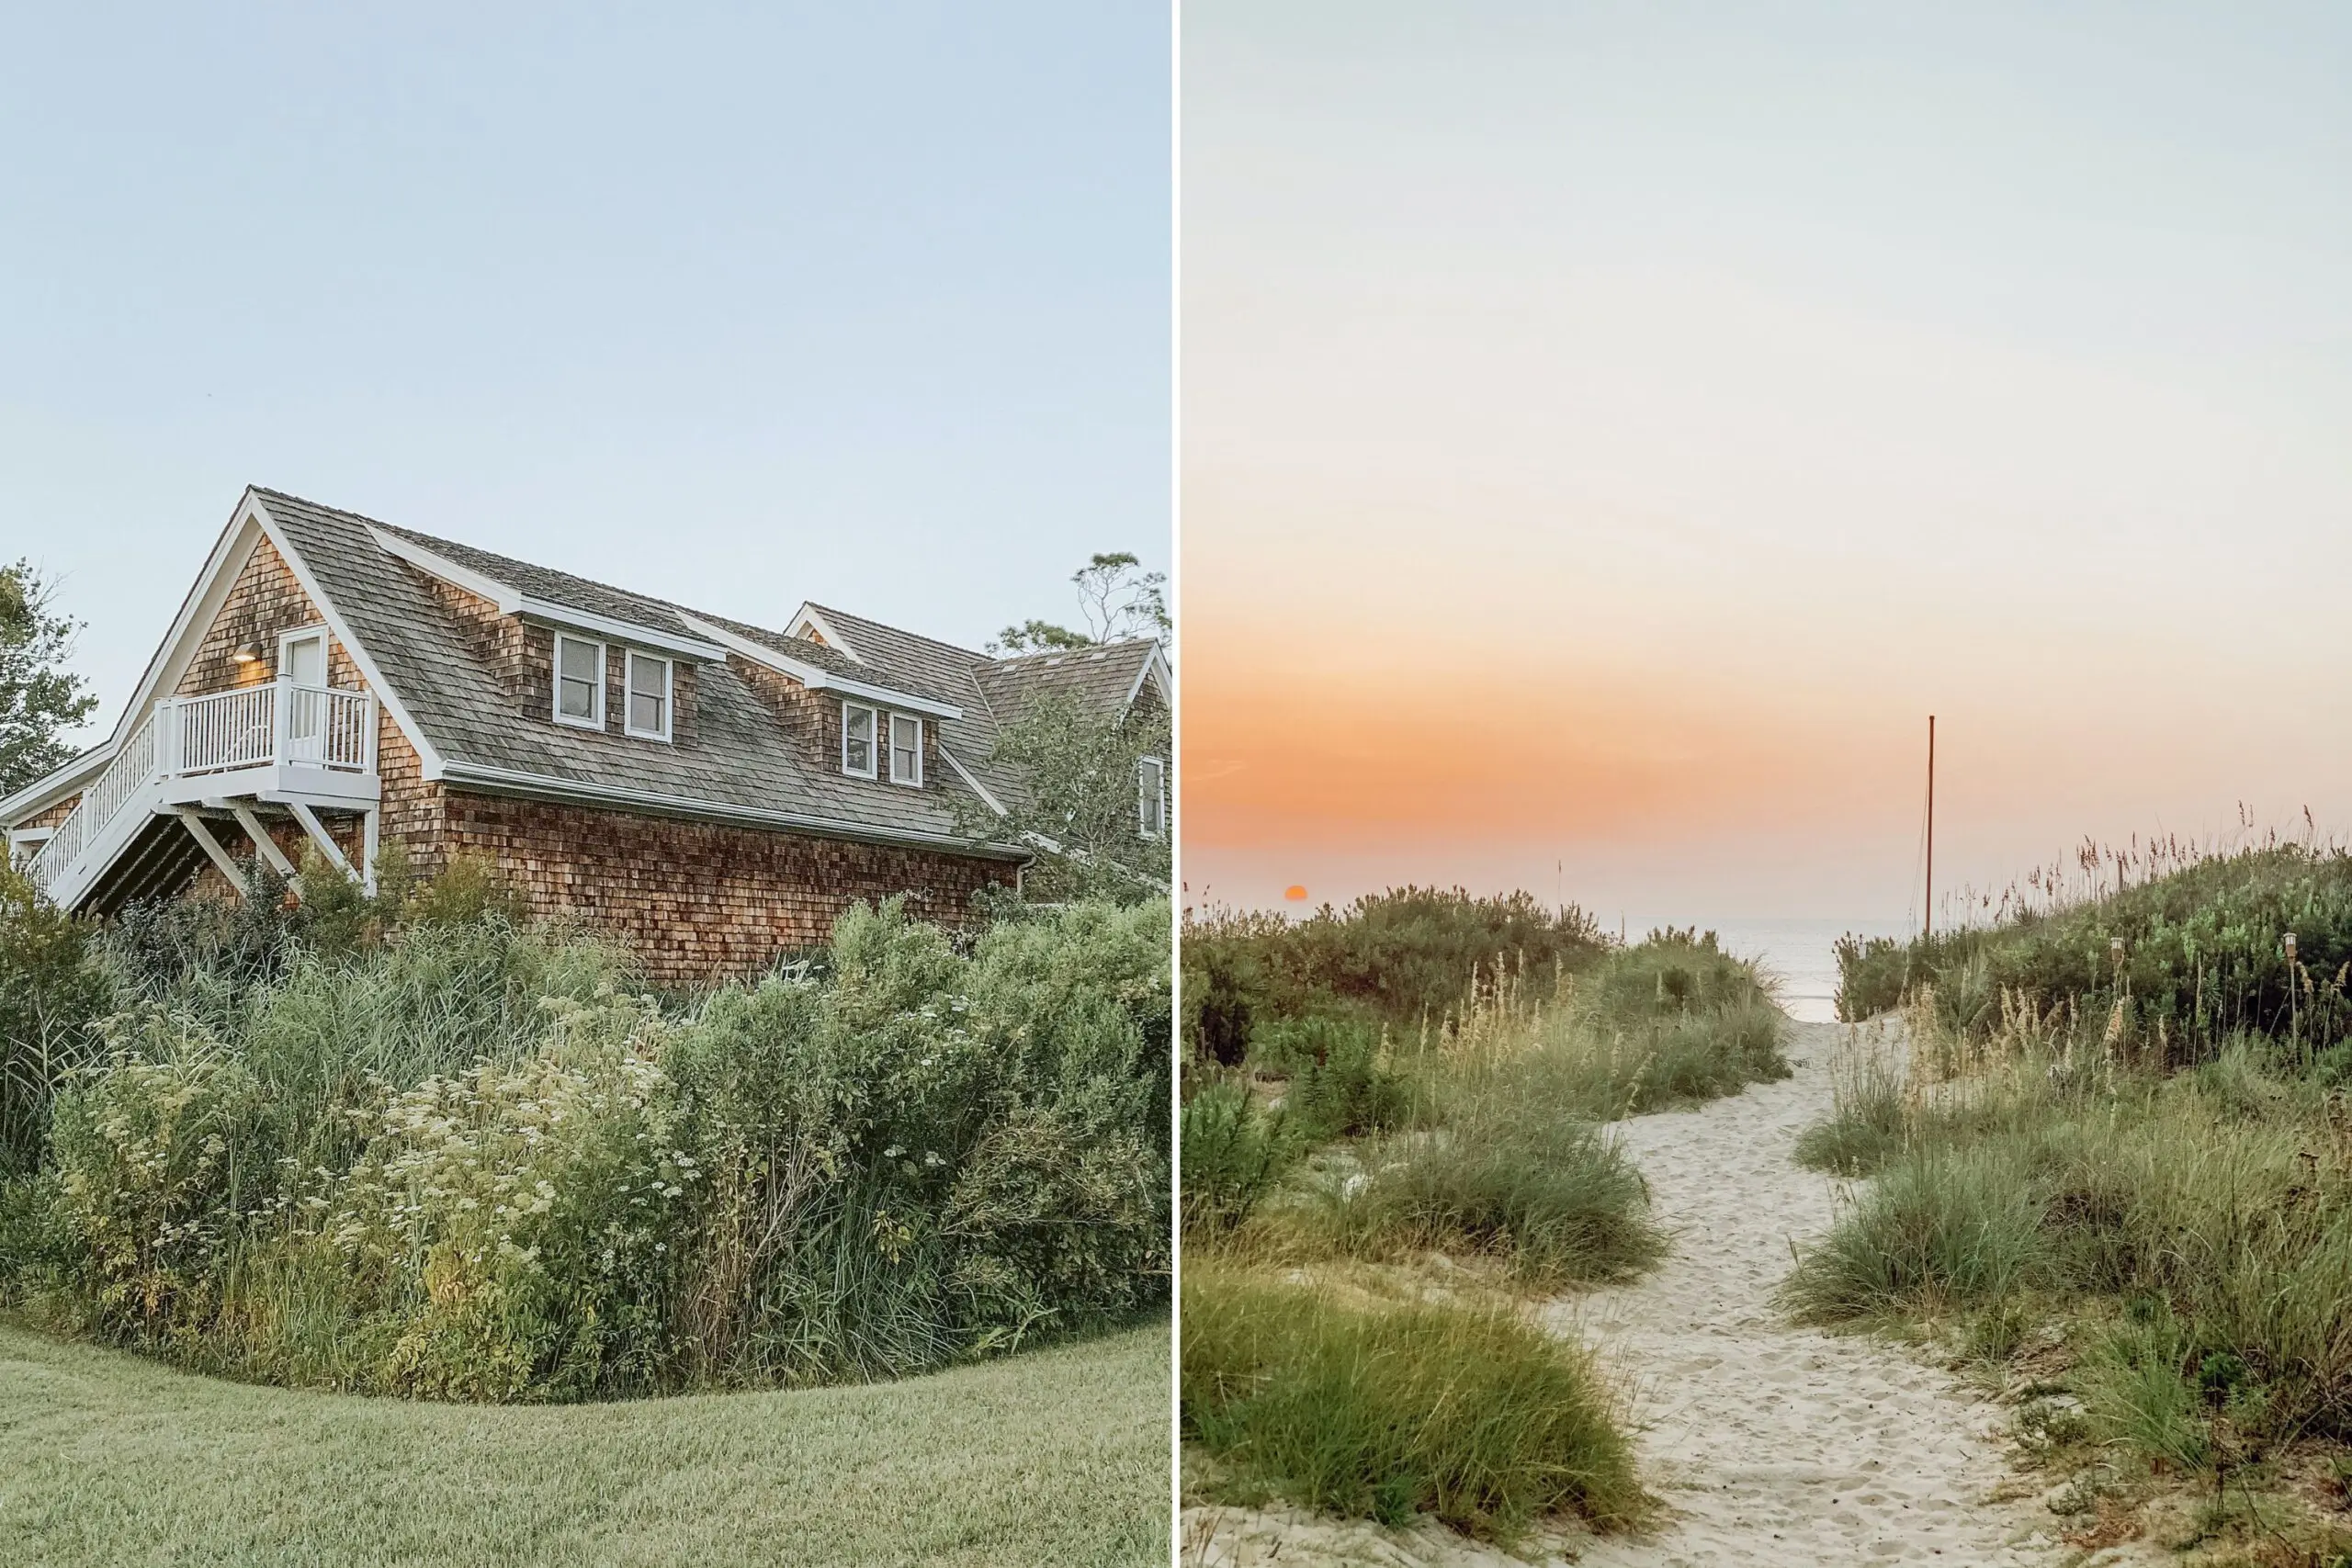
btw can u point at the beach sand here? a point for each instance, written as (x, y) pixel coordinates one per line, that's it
(1769, 1444)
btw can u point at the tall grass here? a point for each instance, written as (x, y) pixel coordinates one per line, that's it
(466, 1159)
(1350, 1112)
(2194, 1227)
(1488, 1137)
(1386, 1411)
(2190, 944)
(1551, 1199)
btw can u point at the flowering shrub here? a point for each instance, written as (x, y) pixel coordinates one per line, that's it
(470, 1165)
(515, 1221)
(149, 1161)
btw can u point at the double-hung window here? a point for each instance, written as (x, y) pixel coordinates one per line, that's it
(647, 714)
(906, 749)
(858, 740)
(579, 682)
(1151, 797)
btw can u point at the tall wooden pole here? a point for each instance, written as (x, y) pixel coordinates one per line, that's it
(1928, 925)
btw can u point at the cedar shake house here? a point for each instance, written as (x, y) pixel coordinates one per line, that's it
(707, 792)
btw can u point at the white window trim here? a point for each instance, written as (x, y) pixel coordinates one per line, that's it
(285, 641)
(26, 843)
(915, 719)
(669, 695)
(1151, 804)
(555, 693)
(875, 740)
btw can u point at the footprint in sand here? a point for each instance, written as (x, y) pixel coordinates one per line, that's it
(1770, 1445)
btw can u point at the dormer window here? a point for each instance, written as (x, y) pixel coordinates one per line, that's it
(647, 714)
(858, 724)
(579, 682)
(906, 750)
(1151, 797)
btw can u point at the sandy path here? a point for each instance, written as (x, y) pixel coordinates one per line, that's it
(1770, 1445)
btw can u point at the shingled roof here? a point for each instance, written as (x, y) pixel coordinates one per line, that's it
(990, 691)
(740, 761)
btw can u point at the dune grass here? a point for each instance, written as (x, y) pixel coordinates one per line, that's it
(1060, 1456)
(1334, 1151)
(1487, 1139)
(1464, 1411)
(2188, 1234)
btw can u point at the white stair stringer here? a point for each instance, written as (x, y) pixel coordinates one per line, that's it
(72, 883)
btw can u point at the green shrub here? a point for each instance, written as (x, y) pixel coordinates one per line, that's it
(51, 990)
(1410, 955)
(2202, 955)
(2134, 1391)
(460, 1159)
(1668, 974)
(1342, 1083)
(162, 1157)
(1465, 1412)
(2216, 1202)
(1235, 1152)
(1669, 1021)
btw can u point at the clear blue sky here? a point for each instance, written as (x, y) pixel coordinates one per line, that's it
(865, 304)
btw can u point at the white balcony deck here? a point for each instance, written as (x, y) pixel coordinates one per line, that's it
(302, 747)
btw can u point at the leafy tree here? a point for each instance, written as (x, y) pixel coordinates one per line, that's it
(1120, 600)
(38, 697)
(1080, 810)
(51, 989)
(1037, 637)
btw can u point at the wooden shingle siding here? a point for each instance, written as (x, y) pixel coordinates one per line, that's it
(801, 712)
(264, 601)
(291, 840)
(812, 725)
(500, 643)
(413, 816)
(535, 689)
(268, 600)
(697, 902)
(54, 815)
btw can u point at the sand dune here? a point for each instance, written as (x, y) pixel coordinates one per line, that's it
(1769, 1444)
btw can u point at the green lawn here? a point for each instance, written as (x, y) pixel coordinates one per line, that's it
(1057, 1457)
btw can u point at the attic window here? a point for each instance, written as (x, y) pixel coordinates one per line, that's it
(648, 715)
(579, 682)
(857, 739)
(1151, 797)
(906, 749)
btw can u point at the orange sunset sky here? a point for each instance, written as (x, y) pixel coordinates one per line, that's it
(1606, 438)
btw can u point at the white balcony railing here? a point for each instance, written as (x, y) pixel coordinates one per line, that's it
(133, 770)
(220, 732)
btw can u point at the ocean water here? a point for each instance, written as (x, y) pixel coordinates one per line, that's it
(1798, 954)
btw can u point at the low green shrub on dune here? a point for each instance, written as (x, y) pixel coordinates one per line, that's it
(2192, 957)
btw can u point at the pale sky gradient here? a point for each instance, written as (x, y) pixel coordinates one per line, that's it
(735, 305)
(1609, 431)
